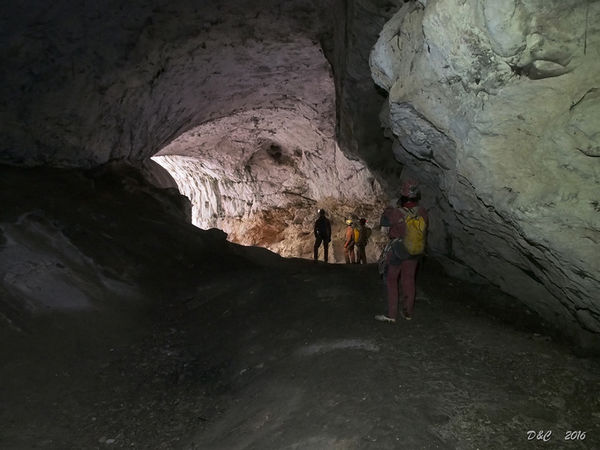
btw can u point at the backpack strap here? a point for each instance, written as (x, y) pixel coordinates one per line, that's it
(411, 212)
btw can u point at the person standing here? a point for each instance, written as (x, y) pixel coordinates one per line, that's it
(364, 233)
(322, 235)
(349, 242)
(407, 232)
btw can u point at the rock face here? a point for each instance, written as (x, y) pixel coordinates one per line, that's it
(240, 92)
(358, 100)
(495, 106)
(58, 252)
(261, 173)
(267, 192)
(84, 84)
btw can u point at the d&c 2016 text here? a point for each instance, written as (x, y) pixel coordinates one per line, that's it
(546, 435)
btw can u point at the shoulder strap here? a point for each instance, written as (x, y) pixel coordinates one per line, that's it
(411, 212)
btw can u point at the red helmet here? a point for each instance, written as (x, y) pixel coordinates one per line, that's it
(410, 189)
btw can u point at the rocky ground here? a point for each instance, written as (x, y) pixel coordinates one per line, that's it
(236, 348)
(290, 357)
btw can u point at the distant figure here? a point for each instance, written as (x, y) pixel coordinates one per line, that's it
(407, 232)
(364, 233)
(349, 242)
(322, 234)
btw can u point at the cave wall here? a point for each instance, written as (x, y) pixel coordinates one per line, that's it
(269, 196)
(358, 99)
(260, 174)
(494, 105)
(83, 84)
(86, 240)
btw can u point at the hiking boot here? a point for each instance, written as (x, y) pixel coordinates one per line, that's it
(405, 316)
(384, 318)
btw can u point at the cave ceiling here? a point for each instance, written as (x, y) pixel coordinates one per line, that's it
(85, 84)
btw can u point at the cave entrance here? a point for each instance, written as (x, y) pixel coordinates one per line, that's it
(261, 172)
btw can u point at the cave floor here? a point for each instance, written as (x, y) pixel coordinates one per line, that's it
(288, 356)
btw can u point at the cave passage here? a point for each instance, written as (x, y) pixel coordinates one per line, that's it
(175, 338)
(131, 316)
(261, 172)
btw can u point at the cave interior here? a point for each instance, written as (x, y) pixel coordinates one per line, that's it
(162, 165)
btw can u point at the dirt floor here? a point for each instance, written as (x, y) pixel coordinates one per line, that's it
(123, 326)
(288, 356)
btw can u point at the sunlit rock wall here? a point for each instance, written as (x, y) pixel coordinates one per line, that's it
(496, 105)
(268, 193)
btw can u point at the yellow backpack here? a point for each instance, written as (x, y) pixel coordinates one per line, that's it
(416, 232)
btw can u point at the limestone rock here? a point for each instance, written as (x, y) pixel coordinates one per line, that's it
(266, 191)
(245, 85)
(122, 81)
(357, 25)
(496, 104)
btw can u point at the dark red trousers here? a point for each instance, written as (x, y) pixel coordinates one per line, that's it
(406, 272)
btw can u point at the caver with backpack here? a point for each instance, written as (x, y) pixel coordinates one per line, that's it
(407, 231)
(349, 242)
(361, 237)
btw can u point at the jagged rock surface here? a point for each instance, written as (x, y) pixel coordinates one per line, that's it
(263, 183)
(495, 106)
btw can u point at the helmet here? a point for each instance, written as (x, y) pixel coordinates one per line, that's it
(363, 221)
(409, 189)
(321, 212)
(348, 221)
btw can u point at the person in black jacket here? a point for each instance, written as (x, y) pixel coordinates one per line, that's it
(363, 239)
(322, 234)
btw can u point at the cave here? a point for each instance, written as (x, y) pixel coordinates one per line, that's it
(162, 165)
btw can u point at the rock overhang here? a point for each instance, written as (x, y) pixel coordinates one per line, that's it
(85, 85)
(241, 90)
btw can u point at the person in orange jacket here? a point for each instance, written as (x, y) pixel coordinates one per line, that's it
(349, 243)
